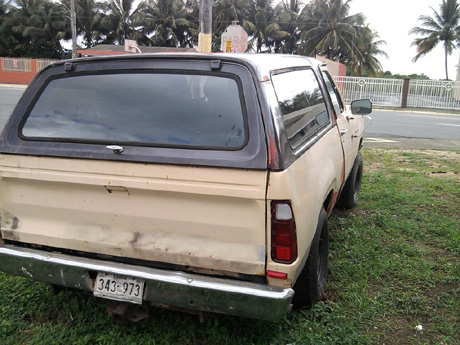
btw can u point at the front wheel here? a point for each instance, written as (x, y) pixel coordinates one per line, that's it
(350, 193)
(311, 283)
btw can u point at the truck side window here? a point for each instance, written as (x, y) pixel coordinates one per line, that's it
(302, 105)
(333, 93)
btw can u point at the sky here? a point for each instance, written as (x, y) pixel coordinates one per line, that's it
(393, 19)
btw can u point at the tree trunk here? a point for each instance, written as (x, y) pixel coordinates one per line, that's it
(445, 51)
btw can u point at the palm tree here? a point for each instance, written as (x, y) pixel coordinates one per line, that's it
(118, 22)
(226, 11)
(369, 48)
(3, 29)
(7, 42)
(42, 25)
(3, 10)
(328, 30)
(187, 31)
(287, 16)
(89, 20)
(261, 26)
(166, 19)
(443, 27)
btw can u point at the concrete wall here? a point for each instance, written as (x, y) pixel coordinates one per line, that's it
(25, 78)
(336, 69)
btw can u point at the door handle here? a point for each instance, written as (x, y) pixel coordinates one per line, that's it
(343, 131)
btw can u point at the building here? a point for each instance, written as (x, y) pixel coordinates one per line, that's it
(111, 49)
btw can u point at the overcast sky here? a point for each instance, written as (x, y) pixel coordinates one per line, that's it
(393, 19)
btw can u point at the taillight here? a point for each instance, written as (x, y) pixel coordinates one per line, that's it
(277, 275)
(284, 238)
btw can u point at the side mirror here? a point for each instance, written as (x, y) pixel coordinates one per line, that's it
(361, 107)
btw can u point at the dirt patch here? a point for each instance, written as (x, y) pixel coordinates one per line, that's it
(374, 167)
(434, 163)
(399, 329)
(442, 174)
(453, 156)
(448, 287)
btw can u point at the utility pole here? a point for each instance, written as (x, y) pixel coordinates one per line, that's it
(205, 35)
(458, 70)
(73, 26)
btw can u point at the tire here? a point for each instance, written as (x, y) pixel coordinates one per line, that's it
(350, 193)
(311, 283)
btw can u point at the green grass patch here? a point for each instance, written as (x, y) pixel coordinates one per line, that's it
(394, 264)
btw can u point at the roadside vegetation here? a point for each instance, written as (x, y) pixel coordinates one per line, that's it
(443, 27)
(36, 28)
(394, 265)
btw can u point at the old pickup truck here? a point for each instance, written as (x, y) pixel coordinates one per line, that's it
(201, 182)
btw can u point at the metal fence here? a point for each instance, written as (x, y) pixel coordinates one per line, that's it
(381, 91)
(385, 92)
(42, 63)
(434, 94)
(17, 65)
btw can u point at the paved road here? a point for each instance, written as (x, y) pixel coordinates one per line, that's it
(414, 124)
(422, 129)
(9, 96)
(395, 128)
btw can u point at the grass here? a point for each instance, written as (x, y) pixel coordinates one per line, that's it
(394, 264)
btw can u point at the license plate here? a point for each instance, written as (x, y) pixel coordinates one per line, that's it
(119, 288)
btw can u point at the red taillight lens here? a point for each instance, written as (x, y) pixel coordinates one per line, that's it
(283, 236)
(277, 275)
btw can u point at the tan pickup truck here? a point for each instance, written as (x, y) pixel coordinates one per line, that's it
(196, 182)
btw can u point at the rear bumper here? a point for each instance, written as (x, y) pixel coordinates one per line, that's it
(162, 287)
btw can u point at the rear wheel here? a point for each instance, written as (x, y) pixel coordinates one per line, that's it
(311, 284)
(350, 193)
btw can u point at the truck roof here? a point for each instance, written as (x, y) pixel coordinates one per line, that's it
(261, 64)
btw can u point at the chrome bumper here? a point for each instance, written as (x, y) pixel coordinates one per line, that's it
(162, 287)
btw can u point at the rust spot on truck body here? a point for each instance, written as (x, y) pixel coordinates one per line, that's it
(136, 237)
(10, 235)
(273, 158)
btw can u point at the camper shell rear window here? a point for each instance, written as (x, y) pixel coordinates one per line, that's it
(164, 109)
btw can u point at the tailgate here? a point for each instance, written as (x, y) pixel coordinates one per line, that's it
(207, 218)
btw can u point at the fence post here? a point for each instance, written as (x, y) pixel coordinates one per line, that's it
(33, 63)
(405, 92)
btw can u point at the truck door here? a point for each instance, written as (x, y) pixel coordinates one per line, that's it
(344, 120)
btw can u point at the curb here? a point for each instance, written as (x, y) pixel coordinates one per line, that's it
(13, 86)
(419, 110)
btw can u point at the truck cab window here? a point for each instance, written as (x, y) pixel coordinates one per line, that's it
(302, 105)
(335, 99)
